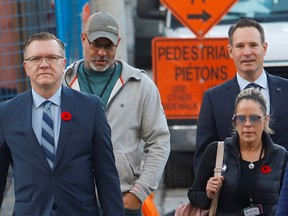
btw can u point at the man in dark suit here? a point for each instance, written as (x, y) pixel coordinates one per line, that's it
(247, 47)
(58, 160)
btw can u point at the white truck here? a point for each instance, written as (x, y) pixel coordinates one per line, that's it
(273, 16)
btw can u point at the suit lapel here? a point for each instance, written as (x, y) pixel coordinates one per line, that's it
(233, 88)
(274, 93)
(29, 132)
(67, 105)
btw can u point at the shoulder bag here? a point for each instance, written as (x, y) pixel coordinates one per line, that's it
(187, 209)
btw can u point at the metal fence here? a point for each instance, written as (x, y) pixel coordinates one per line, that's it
(18, 20)
(71, 16)
(21, 18)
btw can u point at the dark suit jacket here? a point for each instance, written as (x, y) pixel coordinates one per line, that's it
(217, 109)
(283, 199)
(84, 158)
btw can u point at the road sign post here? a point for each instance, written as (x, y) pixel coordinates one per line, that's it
(198, 15)
(184, 68)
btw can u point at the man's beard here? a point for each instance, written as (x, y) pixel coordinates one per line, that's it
(99, 68)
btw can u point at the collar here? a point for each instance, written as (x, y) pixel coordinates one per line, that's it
(233, 142)
(38, 99)
(262, 81)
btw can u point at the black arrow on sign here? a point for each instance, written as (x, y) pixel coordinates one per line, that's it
(204, 16)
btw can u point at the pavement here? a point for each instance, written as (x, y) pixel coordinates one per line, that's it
(167, 199)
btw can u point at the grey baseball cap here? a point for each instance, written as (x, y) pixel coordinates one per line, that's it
(102, 24)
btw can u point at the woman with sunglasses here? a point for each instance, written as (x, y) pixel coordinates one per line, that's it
(253, 166)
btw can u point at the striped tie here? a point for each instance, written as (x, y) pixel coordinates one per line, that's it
(47, 140)
(253, 85)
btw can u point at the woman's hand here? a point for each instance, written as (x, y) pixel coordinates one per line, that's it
(213, 186)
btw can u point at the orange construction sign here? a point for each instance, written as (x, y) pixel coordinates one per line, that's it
(184, 68)
(198, 15)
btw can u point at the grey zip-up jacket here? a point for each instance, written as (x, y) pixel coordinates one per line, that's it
(135, 114)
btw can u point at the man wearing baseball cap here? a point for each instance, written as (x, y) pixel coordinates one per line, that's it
(133, 108)
(102, 25)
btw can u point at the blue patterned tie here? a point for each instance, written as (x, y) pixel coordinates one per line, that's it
(47, 140)
(253, 85)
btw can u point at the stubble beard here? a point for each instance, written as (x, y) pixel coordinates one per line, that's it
(98, 68)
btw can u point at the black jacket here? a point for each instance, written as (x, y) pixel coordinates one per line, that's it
(267, 187)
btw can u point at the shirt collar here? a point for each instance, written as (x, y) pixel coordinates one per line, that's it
(262, 81)
(38, 99)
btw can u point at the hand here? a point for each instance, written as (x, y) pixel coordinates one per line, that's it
(213, 186)
(131, 201)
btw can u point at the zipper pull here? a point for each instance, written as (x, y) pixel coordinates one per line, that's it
(251, 202)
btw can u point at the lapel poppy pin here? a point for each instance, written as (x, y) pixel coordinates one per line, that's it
(266, 169)
(66, 116)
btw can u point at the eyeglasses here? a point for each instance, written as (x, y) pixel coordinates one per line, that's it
(242, 119)
(107, 47)
(51, 59)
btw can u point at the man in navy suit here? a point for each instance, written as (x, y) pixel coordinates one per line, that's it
(247, 47)
(81, 157)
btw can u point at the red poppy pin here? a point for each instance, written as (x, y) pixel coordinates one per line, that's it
(66, 116)
(266, 169)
